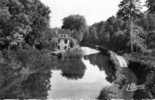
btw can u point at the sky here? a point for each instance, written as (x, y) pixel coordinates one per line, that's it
(93, 10)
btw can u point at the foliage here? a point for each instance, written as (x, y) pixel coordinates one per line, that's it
(72, 68)
(114, 34)
(17, 67)
(140, 63)
(22, 21)
(23, 24)
(76, 23)
(36, 86)
(108, 33)
(147, 24)
(129, 8)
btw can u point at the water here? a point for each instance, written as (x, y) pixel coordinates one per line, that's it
(75, 78)
(87, 87)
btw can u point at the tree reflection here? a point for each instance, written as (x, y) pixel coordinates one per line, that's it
(136, 72)
(72, 68)
(36, 86)
(104, 63)
(25, 74)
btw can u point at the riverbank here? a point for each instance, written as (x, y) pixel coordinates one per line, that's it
(22, 69)
(143, 65)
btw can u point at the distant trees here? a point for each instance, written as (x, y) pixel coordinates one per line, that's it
(112, 34)
(128, 30)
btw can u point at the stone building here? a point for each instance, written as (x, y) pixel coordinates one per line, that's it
(64, 42)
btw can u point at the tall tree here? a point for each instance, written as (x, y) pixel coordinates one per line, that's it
(129, 11)
(22, 21)
(151, 23)
(128, 8)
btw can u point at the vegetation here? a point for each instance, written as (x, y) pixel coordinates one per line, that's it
(26, 40)
(76, 23)
(23, 23)
(72, 68)
(115, 34)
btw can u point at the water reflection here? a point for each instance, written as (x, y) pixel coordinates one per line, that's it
(103, 63)
(36, 86)
(87, 86)
(72, 68)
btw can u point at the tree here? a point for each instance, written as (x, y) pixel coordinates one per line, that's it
(147, 22)
(129, 8)
(129, 11)
(76, 23)
(111, 34)
(22, 21)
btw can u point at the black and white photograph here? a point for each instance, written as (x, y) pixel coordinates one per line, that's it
(77, 49)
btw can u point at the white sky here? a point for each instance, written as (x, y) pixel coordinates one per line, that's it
(92, 10)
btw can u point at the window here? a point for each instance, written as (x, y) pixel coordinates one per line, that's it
(71, 44)
(66, 41)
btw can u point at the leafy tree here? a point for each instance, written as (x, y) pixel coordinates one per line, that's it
(129, 8)
(17, 69)
(147, 22)
(111, 34)
(129, 11)
(22, 24)
(92, 35)
(22, 21)
(76, 23)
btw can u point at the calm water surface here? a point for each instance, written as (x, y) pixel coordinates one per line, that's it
(87, 87)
